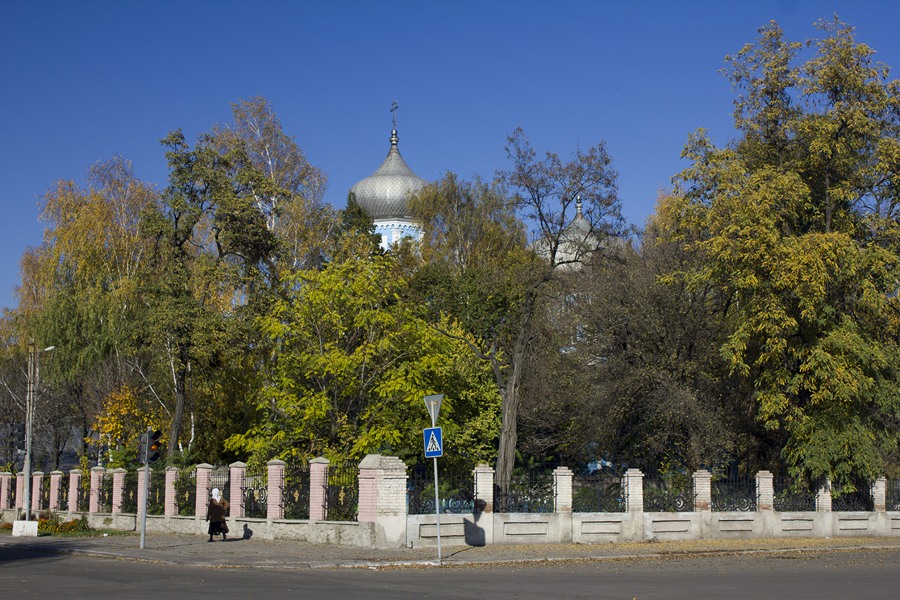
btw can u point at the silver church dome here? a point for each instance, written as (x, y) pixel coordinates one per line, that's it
(384, 194)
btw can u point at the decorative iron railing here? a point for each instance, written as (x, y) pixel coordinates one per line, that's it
(598, 493)
(668, 494)
(83, 501)
(859, 499)
(456, 491)
(295, 491)
(130, 493)
(63, 493)
(733, 494)
(342, 492)
(104, 494)
(793, 496)
(156, 498)
(44, 502)
(892, 494)
(528, 492)
(255, 494)
(186, 492)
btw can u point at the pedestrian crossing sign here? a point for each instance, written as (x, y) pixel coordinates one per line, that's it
(434, 442)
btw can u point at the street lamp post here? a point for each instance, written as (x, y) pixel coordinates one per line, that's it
(29, 418)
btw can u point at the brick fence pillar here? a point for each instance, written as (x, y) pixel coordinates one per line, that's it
(633, 482)
(484, 487)
(141, 490)
(6, 479)
(118, 490)
(96, 482)
(55, 480)
(318, 482)
(237, 475)
(74, 489)
(823, 498)
(879, 494)
(382, 498)
(171, 502)
(20, 489)
(562, 490)
(275, 489)
(702, 490)
(765, 491)
(37, 480)
(202, 493)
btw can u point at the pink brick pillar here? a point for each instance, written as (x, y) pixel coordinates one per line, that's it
(484, 487)
(237, 475)
(118, 491)
(5, 489)
(318, 482)
(141, 490)
(702, 490)
(171, 503)
(37, 478)
(20, 489)
(203, 471)
(275, 489)
(74, 489)
(55, 480)
(369, 478)
(96, 482)
(382, 499)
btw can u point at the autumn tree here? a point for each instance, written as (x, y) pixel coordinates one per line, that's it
(797, 225)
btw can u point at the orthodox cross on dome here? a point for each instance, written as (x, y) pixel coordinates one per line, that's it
(394, 108)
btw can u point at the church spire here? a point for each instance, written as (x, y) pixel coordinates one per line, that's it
(394, 138)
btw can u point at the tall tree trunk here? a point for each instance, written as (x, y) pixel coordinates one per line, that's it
(180, 374)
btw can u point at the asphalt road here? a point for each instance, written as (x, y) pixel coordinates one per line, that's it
(868, 574)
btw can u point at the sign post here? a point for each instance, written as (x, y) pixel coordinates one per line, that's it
(434, 447)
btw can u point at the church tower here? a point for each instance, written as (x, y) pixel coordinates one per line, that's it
(384, 195)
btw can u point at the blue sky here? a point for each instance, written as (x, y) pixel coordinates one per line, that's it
(82, 81)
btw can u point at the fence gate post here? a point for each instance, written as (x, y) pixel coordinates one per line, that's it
(74, 489)
(96, 483)
(55, 479)
(237, 476)
(171, 503)
(702, 490)
(202, 493)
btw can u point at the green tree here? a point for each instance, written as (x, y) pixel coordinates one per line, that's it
(796, 222)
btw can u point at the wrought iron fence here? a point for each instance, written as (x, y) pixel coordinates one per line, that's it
(130, 493)
(529, 491)
(156, 497)
(598, 493)
(83, 501)
(44, 501)
(859, 499)
(255, 494)
(104, 494)
(342, 492)
(733, 494)
(63, 492)
(295, 491)
(892, 494)
(793, 495)
(186, 492)
(669, 493)
(456, 491)
(219, 478)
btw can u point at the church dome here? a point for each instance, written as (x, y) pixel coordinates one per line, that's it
(384, 194)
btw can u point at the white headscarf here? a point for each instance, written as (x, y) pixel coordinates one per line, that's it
(216, 495)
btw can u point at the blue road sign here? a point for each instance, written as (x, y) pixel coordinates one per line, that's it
(434, 442)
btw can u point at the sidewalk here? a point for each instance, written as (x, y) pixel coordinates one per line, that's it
(280, 554)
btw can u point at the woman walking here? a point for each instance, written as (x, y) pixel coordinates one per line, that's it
(215, 514)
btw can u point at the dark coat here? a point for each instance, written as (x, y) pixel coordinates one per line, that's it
(215, 512)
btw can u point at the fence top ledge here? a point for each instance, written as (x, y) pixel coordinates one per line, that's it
(37, 474)
(276, 462)
(238, 465)
(205, 466)
(319, 460)
(55, 472)
(172, 468)
(98, 469)
(119, 470)
(75, 471)
(377, 461)
(5, 473)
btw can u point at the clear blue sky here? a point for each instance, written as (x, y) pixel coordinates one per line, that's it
(82, 81)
